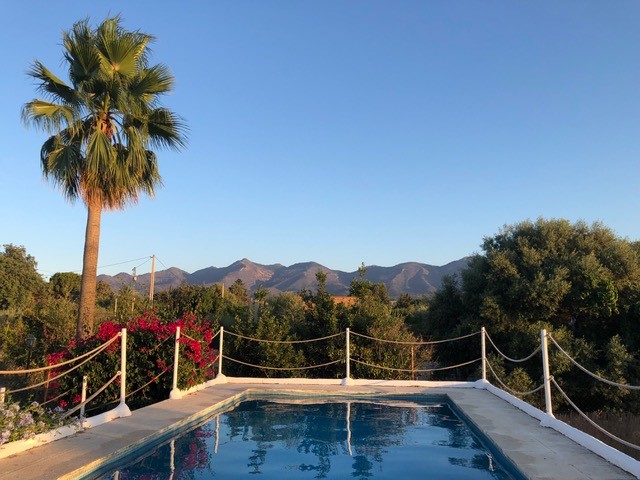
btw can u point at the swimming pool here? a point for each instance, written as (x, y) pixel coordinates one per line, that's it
(287, 438)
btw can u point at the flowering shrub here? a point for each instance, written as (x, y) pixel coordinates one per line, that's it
(150, 351)
(19, 423)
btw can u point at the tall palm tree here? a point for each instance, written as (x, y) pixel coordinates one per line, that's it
(103, 125)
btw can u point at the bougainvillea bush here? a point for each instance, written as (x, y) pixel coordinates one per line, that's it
(150, 353)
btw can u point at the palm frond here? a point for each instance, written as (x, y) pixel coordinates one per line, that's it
(61, 163)
(80, 53)
(150, 82)
(48, 116)
(50, 84)
(119, 51)
(166, 129)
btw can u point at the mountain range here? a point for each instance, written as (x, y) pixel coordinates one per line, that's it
(411, 277)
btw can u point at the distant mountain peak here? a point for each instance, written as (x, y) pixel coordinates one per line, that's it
(413, 278)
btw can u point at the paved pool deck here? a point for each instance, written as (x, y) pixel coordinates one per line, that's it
(539, 453)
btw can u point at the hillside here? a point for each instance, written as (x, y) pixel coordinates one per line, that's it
(412, 277)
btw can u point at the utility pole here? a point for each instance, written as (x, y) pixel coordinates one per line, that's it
(153, 278)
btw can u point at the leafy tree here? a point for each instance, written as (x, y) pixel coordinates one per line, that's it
(579, 281)
(104, 123)
(201, 301)
(239, 291)
(20, 283)
(321, 320)
(66, 285)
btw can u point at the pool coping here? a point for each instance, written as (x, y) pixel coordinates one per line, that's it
(541, 453)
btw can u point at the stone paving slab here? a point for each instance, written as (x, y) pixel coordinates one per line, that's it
(540, 453)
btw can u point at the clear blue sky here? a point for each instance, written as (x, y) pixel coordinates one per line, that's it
(347, 131)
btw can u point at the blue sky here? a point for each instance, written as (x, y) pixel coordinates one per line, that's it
(347, 131)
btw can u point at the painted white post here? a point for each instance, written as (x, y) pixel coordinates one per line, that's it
(545, 370)
(175, 392)
(122, 408)
(83, 396)
(220, 353)
(484, 354)
(348, 356)
(123, 366)
(2, 392)
(348, 380)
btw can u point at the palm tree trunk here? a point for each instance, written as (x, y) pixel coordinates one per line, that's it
(89, 270)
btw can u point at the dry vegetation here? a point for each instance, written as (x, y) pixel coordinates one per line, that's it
(623, 425)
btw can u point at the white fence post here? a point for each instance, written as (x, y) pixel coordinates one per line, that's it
(122, 407)
(83, 396)
(175, 392)
(2, 390)
(348, 356)
(545, 370)
(484, 354)
(347, 380)
(220, 353)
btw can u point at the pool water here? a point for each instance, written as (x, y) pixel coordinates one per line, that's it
(271, 439)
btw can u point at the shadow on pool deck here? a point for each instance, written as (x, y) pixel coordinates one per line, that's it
(538, 452)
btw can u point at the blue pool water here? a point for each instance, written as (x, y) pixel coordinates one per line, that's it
(271, 439)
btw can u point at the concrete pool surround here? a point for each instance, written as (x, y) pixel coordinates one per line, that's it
(518, 430)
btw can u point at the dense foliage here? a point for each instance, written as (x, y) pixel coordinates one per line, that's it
(150, 351)
(580, 282)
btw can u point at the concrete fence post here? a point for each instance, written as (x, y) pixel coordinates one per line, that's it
(83, 396)
(175, 392)
(220, 352)
(123, 367)
(348, 355)
(545, 370)
(483, 349)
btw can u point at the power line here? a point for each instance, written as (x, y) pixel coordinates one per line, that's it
(168, 270)
(146, 259)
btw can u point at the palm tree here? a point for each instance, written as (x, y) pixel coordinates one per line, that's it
(103, 125)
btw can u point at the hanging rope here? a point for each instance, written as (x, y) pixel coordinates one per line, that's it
(597, 377)
(150, 381)
(50, 367)
(29, 387)
(182, 334)
(591, 422)
(282, 368)
(284, 341)
(56, 397)
(81, 404)
(161, 343)
(511, 390)
(416, 370)
(434, 342)
(513, 359)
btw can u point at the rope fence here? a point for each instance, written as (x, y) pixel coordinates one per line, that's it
(591, 422)
(510, 390)
(432, 342)
(528, 357)
(50, 367)
(407, 370)
(284, 342)
(590, 373)
(96, 352)
(336, 355)
(283, 368)
(73, 410)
